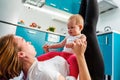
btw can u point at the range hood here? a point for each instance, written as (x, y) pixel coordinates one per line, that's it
(106, 5)
(38, 3)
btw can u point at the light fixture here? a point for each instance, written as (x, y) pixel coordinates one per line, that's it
(38, 3)
(56, 14)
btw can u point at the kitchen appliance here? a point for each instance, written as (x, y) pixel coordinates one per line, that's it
(9, 14)
(38, 3)
(106, 5)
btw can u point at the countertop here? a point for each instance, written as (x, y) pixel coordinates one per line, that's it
(106, 32)
(98, 33)
(40, 30)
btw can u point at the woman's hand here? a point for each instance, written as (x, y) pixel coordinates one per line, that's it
(79, 46)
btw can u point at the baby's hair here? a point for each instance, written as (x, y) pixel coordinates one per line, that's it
(79, 19)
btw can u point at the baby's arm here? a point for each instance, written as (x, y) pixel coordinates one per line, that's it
(46, 47)
(58, 45)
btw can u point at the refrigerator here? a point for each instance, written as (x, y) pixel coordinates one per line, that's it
(9, 15)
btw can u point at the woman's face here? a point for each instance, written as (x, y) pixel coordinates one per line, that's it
(26, 47)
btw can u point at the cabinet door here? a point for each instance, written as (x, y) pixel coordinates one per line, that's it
(36, 38)
(53, 39)
(61, 38)
(116, 56)
(66, 5)
(76, 6)
(105, 43)
(71, 6)
(53, 3)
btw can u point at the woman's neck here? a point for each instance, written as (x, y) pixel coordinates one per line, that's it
(26, 66)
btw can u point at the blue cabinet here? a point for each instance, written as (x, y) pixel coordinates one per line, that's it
(66, 5)
(71, 6)
(76, 6)
(53, 3)
(110, 47)
(36, 37)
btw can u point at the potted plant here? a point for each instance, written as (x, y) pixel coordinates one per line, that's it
(51, 28)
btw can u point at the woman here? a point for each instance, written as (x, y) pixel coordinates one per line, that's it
(89, 11)
(16, 54)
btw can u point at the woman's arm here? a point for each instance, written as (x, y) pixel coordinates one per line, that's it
(79, 47)
(83, 69)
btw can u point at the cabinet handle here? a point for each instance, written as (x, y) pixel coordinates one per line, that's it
(32, 32)
(106, 40)
(66, 9)
(52, 4)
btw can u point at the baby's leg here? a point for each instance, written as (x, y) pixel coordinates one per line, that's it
(73, 66)
(48, 55)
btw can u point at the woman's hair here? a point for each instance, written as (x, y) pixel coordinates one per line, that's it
(10, 65)
(78, 18)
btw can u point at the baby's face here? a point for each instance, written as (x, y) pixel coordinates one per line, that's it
(73, 28)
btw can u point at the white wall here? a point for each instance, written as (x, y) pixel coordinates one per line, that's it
(110, 18)
(9, 12)
(44, 19)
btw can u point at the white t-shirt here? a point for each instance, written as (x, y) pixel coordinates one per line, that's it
(49, 69)
(70, 39)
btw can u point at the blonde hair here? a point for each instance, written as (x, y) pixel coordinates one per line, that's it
(10, 65)
(78, 18)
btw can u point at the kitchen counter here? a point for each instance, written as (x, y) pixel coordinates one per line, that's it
(41, 30)
(100, 33)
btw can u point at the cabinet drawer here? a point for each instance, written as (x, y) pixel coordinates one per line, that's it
(105, 39)
(38, 38)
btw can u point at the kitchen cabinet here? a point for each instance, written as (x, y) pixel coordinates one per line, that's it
(37, 38)
(76, 6)
(53, 3)
(71, 6)
(110, 47)
(66, 5)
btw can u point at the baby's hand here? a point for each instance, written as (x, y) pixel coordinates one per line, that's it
(46, 48)
(69, 45)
